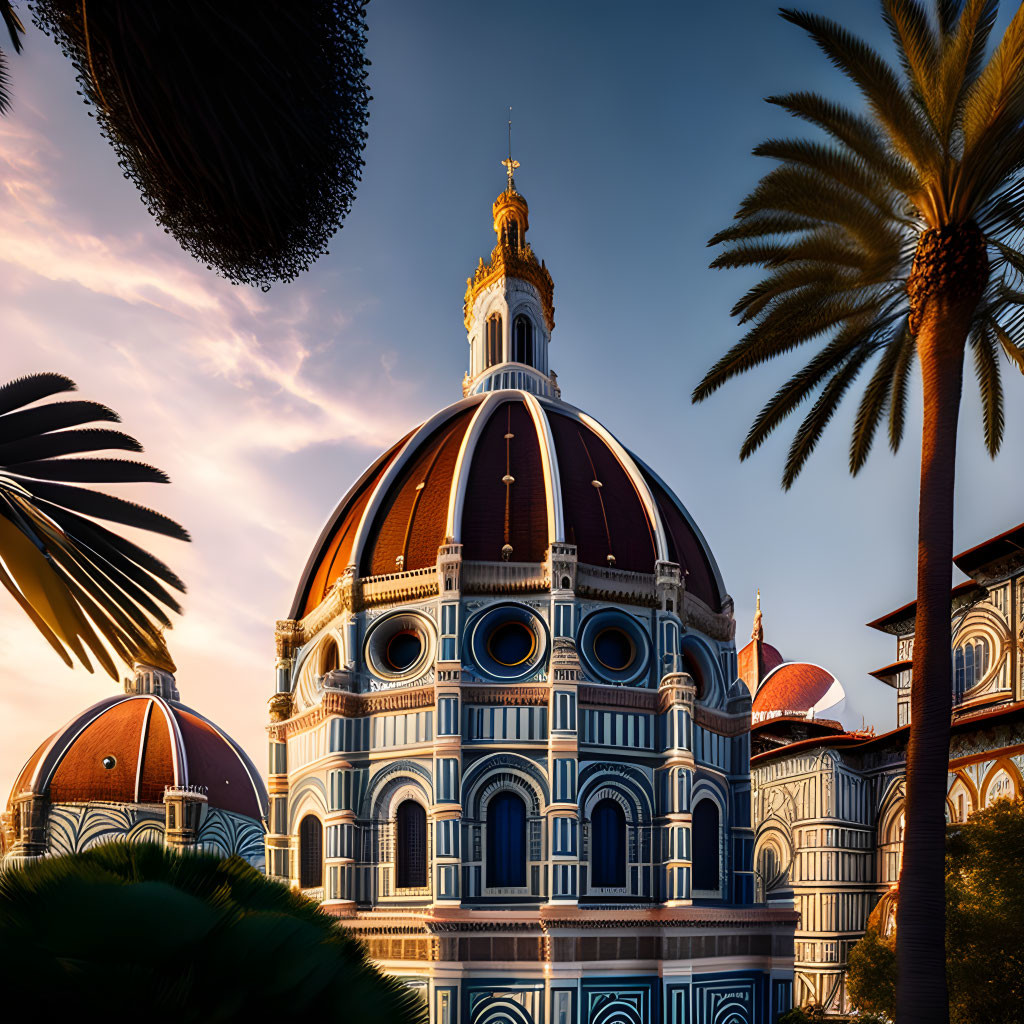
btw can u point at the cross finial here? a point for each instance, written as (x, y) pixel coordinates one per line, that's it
(510, 165)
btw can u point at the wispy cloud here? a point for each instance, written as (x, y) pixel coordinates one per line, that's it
(220, 384)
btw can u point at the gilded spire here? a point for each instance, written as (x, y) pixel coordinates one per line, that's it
(510, 165)
(757, 633)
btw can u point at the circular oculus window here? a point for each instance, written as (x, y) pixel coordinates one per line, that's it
(403, 649)
(511, 644)
(506, 642)
(398, 647)
(614, 647)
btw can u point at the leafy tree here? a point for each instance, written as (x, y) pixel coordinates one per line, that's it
(984, 926)
(871, 973)
(894, 240)
(181, 937)
(75, 579)
(241, 124)
(985, 916)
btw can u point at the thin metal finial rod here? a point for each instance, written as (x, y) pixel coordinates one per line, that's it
(510, 165)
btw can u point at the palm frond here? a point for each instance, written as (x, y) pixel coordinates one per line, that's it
(918, 52)
(898, 391)
(809, 432)
(856, 133)
(878, 83)
(873, 405)
(1012, 350)
(86, 589)
(990, 386)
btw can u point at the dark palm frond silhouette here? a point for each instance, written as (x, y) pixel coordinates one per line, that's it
(894, 236)
(80, 583)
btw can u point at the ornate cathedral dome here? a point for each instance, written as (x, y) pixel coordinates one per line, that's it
(505, 473)
(139, 765)
(131, 748)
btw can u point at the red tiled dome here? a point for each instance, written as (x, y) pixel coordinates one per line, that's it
(127, 749)
(755, 661)
(508, 468)
(796, 686)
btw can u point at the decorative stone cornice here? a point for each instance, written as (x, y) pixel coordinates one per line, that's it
(523, 696)
(619, 697)
(717, 625)
(724, 725)
(355, 705)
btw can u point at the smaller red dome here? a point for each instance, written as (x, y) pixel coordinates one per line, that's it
(755, 661)
(797, 687)
(128, 749)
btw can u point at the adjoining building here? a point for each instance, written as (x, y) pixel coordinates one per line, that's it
(508, 744)
(139, 766)
(829, 803)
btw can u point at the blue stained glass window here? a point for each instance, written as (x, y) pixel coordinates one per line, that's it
(506, 841)
(608, 846)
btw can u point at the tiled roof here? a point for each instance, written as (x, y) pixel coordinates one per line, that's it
(499, 472)
(127, 749)
(795, 686)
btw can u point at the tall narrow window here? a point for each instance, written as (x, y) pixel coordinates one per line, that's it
(329, 660)
(492, 355)
(311, 852)
(522, 340)
(608, 846)
(705, 846)
(506, 842)
(512, 233)
(970, 664)
(411, 845)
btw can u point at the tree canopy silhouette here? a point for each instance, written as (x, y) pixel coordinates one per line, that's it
(241, 124)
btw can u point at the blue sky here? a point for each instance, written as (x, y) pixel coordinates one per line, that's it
(634, 127)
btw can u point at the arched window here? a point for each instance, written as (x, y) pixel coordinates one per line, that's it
(705, 846)
(492, 353)
(608, 846)
(970, 663)
(1000, 788)
(329, 658)
(522, 340)
(311, 852)
(506, 841)
(512, 233)
(411, 845)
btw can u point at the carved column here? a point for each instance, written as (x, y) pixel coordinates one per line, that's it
(563, 758)
(674, 785)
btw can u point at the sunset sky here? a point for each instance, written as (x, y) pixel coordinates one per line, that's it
(634, 132)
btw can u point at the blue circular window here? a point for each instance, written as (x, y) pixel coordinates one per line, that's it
(507, 642)
(614, 647)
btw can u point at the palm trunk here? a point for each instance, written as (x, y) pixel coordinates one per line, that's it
(920, 934)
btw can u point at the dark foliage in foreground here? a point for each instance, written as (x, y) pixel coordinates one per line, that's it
(75, 579)
(242, 124)
(132, 928)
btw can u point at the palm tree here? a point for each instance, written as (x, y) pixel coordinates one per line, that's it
(241, 124)
(76, 580)
(187, 937)
(894, 240)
